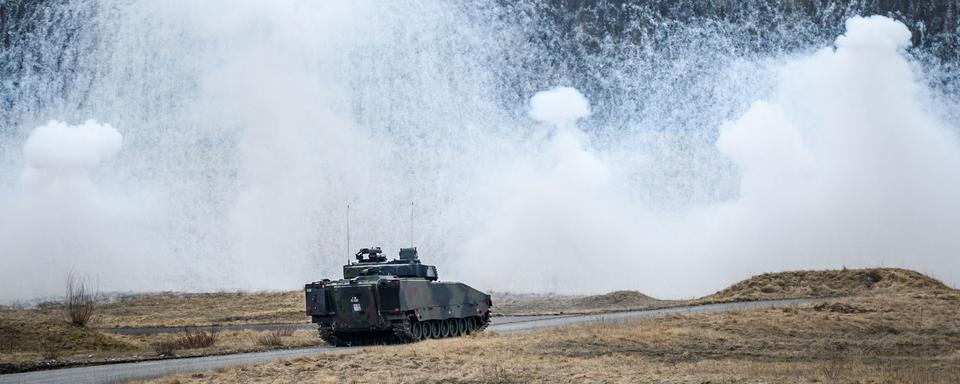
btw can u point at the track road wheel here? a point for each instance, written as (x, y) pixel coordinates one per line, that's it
(461, 327)
(435, 332)
(444, 328)
(454, 328)
(416, 329)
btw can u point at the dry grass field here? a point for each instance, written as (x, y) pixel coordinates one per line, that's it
(201, 309)
(41, 337)
(908, 337)
(245, 308)
(29, 345)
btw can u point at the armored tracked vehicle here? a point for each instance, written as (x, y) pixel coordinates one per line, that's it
(396, 301)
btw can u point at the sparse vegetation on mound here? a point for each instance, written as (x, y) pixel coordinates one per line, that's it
(828, 283)
(26, 343)
(21, 335)
(31, 342)
(904, 338)
(537, 304)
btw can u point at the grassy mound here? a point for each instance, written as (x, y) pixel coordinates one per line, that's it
(526, 304)
(616, 299)
(829, 283)
(52, 336)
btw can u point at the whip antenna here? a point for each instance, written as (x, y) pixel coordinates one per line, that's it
(348, 233)
(411, 224)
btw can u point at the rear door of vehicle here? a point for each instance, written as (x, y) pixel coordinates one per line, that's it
(357, 307)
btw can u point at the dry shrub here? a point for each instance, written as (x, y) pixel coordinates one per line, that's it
(192, 339)
(80, 303)
(839, 308)
(165, 348)
(50, 351)
(189, 339)
(274, 337)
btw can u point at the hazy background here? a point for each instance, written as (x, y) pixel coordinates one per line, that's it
(678, 147)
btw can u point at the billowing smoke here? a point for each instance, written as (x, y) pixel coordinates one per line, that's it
(845, 164)
(59, 156)
(557, 217)
(58, 220)
(561, 106)
(248, 127)
(843, 167)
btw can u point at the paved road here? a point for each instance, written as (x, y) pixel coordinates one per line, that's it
(113, 373)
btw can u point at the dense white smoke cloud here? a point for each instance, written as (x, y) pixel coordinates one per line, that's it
(559, 106)
(57, 153)
(267, 92)
(844, 166)
(557, 209)
(242, 149)
(58, 220)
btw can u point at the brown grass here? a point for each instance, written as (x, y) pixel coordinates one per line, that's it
(189, 339)
(912, 337)
(274, 337)
(203, 309)
(540, 304)
(30, 339)
(239, 308)
(829, 283)
(29, 345)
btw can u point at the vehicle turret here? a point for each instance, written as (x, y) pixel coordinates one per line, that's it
(372, 262)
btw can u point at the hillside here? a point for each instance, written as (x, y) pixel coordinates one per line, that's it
(538, 304)
(826, 283)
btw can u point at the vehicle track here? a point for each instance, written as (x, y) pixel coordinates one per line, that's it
(112, 373)
(267, 327)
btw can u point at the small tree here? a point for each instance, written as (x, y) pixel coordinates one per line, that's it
(80, 301)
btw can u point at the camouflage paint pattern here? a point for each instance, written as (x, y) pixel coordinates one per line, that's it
(375, 303)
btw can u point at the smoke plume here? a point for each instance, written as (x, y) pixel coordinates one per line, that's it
(673, 164)
(843, 167)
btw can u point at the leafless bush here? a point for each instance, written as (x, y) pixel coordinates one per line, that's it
(165, 348)
(273, 337)
(192, 339)
(189, 339)
(80, 302)
(50, 351)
